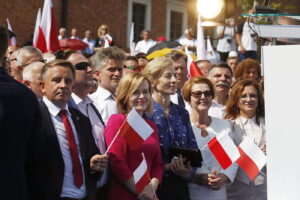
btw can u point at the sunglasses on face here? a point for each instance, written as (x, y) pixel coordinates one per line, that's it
(198, 94)
(82, 65)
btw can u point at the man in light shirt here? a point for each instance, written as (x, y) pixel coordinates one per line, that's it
(144, 45)
(221, 77)
(81, 101)
(108, 64)
(71, 163)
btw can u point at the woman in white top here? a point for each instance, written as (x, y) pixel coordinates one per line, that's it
(245, 108)
(208, 182)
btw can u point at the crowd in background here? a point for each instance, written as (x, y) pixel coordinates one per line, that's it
(69, 106)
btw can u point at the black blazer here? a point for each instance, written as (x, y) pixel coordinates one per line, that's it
(51, 170)
(21, 143)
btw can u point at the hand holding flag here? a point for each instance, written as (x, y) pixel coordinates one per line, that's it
(252, 159)
(193, 69)
(135, 130)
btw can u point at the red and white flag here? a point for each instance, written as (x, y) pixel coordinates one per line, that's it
(224, 150)
(192, 67)
(108, 38)
(252, 159)
(49, 28)
(135, 129)
(12, 40)
(141, 176)
(131, 40)
(200, 47)
(106, 43)
(37, 28)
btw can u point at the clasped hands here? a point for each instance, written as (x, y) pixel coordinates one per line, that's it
(213, 180)
(180, 167)
(99, 162)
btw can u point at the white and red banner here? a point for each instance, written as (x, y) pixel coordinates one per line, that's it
(192, 67)
(37, 28)
(12, 40)
(200, 47)
(106, 43)
(135, 129)
(141, 176)
(224, 150)
(252, 159)
(131, 40)
(48, 34)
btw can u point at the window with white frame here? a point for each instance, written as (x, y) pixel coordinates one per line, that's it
(139, 12)
(176, 19)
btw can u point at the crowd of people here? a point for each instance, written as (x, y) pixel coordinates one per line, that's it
(59, 112)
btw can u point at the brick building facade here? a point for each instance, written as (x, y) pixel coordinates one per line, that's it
(163, 17)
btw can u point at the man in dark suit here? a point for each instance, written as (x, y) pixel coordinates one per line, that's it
(71, 163)
(21, 142)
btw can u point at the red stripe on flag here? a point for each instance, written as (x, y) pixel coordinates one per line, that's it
(41, 41)
(194, 70)
(54, 43)
(142, 183)
(133, 139)
(247, 164)
(219, 153)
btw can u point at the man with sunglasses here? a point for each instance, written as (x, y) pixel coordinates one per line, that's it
(80, 100)
(109, 64)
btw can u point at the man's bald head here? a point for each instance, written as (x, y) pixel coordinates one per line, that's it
(32, 77)
(75, 58)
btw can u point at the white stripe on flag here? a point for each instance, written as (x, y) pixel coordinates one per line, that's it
(140, 171)
(228, 146)
(253, 151)
(139, 124)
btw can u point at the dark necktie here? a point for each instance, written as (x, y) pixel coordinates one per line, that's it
(180, 98)
(77, 171)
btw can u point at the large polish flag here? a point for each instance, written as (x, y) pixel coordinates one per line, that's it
(37, 28)
(12, 40)
(224, 150)
(131, 40)
(135, 129)
(192, 67)
(252, 159)
(141, 176)
(200, 47)
(49, 28)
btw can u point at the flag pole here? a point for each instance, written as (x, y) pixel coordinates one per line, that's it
(114, 138)
(153, 190)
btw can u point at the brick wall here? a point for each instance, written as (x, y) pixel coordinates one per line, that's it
(159, 18)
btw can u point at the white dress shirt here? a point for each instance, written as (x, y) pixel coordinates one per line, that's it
(104, 102)
(143, 46)
(97, 128)
(199, 192)
(174, 99)
(68, 189)
(216, 110)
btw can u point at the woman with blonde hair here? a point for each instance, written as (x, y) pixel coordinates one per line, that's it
(174, 128)
(102, 35)
(133, 92)
(209, 182)
(245, 108)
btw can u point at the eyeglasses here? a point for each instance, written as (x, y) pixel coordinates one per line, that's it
(246, 96)
(82, 65)
(198, 94)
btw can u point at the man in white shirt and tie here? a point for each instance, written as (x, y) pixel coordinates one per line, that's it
(81, 101)
(70, 160)
(108, 64)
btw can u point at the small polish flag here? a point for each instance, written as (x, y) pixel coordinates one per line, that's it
(135, 129)
(224, 150)
(193, 69)
(106, 43)
(252, 158)
(37, 28)
(108, 37)
(141, 176)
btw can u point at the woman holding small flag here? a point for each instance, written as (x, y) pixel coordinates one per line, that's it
(133, 142)
(210, 180)
(174, 128)
(245, 108)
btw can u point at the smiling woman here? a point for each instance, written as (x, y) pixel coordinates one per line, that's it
(245, 109)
